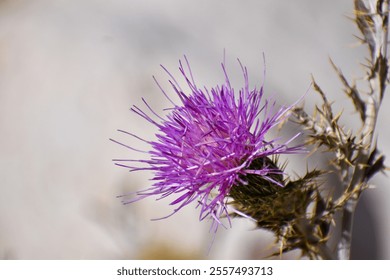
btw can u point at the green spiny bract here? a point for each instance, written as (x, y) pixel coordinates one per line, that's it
(285, 207)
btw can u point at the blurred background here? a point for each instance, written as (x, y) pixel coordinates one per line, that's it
(70, 71)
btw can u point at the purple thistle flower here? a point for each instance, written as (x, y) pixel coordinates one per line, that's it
(205, 146)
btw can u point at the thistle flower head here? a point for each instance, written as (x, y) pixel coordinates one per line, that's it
(206, 145)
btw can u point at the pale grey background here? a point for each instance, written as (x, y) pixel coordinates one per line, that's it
(69, 72)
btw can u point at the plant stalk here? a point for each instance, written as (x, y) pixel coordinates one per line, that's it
(372, 20)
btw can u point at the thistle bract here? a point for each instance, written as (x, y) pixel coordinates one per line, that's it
(206, 145)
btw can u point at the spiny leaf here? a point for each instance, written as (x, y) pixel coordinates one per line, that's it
(377, 166)
(326, 104)
(351, 92)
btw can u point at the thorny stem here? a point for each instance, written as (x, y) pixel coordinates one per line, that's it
(372, 20)
(344, 247)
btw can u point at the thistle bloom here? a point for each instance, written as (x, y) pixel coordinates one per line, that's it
(206, 145)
